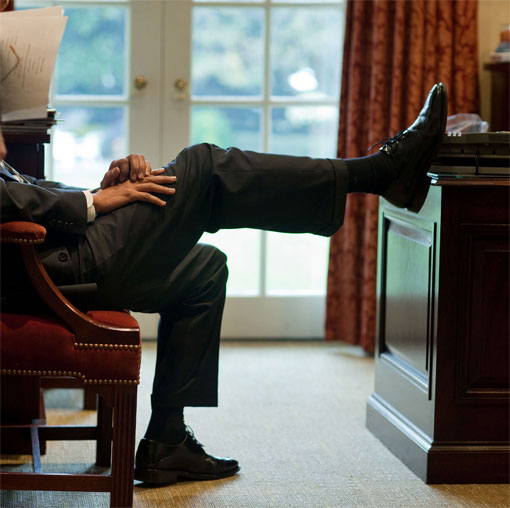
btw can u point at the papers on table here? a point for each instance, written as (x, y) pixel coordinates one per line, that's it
(29, 42)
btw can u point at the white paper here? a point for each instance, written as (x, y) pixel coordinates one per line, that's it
(43, 12)
(29, 42)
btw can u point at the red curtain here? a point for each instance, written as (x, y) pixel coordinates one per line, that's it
(394, 51)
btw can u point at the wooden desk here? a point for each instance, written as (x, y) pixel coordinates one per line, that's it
(441, 397)
(25, 152)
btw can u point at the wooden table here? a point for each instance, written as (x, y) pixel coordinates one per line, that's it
(25, 152)
(441, 397)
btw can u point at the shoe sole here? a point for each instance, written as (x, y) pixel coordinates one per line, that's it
(157, 476)
(423, 184)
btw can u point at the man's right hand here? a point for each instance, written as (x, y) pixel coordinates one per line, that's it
(133, 167)
(111, 198)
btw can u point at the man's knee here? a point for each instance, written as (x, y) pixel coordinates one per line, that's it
(215, 262)
(194, 155)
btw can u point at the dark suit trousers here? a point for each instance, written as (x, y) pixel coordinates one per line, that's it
(145, 257)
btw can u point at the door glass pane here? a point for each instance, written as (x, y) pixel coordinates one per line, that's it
(227, 126)
(227, 51)
(92, 53)
(242, 247)
(305, 57)
(304, 130)
(85, 142)
(296, 264)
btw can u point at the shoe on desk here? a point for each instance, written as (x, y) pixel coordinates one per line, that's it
(413, 149)
(162, 463)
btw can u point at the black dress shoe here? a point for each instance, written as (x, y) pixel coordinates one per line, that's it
(161, 463)
(413, 149)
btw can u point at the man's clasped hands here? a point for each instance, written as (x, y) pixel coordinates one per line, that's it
(128, 179)
(132, 179)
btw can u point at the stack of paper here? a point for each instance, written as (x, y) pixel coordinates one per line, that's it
(29, 42)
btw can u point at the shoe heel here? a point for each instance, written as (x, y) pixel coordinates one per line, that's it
(155, 476)
(420, 196)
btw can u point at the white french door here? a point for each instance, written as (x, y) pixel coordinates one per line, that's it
(102, 115)
(260, 75)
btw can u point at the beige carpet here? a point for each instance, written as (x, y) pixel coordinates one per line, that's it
(293, 415)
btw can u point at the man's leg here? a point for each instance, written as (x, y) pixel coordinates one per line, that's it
(218, 189)
(215, 189)
(191, 306)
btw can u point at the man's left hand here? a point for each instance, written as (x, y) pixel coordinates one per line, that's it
(133, 167)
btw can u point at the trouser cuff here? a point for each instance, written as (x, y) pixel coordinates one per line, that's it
(188, 399)
(339, 199)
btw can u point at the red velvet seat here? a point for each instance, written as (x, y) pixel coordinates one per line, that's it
(100, 350)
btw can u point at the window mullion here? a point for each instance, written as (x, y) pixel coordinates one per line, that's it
(266, 126)
(266, 129)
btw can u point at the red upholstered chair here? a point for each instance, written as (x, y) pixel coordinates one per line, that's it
(100, 350)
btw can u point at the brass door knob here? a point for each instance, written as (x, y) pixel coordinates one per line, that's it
(140, 82)
(180, 86)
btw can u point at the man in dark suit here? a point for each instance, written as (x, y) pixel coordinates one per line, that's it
(137, 239)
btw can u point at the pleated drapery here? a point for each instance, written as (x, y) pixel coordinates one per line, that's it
(394, 51)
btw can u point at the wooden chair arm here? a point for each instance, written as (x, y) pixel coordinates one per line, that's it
(21, 232)
(86, 329)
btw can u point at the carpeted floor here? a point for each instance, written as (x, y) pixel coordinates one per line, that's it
(293, 415)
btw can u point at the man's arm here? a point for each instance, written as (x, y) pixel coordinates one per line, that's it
(127, 192)
(64, 209)
(58, 209)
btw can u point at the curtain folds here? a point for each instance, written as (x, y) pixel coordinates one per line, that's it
(394, 51)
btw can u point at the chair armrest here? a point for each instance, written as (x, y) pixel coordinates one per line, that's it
(86, 329)
(22, 232)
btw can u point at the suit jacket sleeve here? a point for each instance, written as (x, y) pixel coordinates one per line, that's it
(55, 206)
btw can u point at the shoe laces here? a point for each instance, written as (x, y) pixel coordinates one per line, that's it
(191, 434)
(388, 143)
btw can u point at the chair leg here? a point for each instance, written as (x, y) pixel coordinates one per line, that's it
(123, 456)
(89, 399)
(36, 449)
(104, 433)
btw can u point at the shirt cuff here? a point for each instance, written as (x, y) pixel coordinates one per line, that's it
(91, 211)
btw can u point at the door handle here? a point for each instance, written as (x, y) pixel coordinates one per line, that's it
(140, 82)
(180, 85)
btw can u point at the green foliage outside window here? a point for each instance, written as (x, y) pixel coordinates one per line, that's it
(91, 56)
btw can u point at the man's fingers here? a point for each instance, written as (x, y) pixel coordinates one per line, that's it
(110, 177)
(123, 165)
(161, 179)
(141, 168)
(114, 175)
(116, 196)
(149, 198)
(136, 167)
(155, 187)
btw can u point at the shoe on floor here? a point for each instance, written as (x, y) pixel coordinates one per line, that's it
(162, 463)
